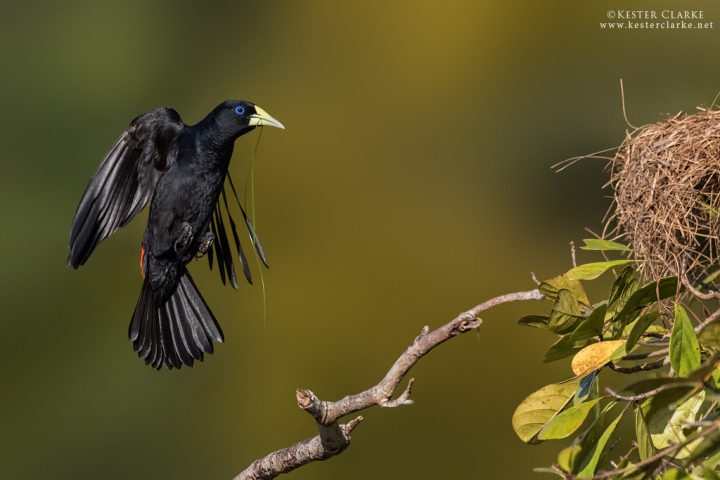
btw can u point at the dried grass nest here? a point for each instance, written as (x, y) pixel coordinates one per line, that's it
(666, 182)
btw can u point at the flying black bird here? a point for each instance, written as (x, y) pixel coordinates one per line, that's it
(181, 170)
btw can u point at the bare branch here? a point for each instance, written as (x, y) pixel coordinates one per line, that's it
(332, 438)
(640, 368)
(688, 284)
(708, 321)
(643, 396)
(702, 296)
(402, 399)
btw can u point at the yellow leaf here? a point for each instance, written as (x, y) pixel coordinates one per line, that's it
(594, 357)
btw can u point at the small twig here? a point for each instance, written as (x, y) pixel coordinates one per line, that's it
(640, 368)
(537, 282)
(710, 410)
(708, 321)
(643, 396)
(572, 253)
(402, 399)
(697, 293)
(653, 335)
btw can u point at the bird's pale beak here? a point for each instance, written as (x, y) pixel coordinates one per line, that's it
(261, 119)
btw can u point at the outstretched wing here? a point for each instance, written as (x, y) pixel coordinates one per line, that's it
(124, 182)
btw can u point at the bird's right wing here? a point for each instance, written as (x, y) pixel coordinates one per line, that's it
(124, 182)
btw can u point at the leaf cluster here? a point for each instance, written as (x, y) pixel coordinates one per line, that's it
(676, 414)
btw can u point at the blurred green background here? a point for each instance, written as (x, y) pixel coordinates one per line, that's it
(412, 183)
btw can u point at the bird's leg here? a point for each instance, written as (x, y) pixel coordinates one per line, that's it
(207, 242)
(185, 237)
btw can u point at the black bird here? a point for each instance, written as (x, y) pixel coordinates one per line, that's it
(181, 170)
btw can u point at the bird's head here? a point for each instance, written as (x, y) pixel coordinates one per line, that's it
(237, 117)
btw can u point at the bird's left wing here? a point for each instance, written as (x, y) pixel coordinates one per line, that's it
(124, 182)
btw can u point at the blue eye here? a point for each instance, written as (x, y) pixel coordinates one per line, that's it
(239, 109)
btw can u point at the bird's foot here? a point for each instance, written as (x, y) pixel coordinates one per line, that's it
(183, 241)
(207, 242)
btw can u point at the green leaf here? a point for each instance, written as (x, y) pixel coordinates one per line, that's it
(567, 456)
(644, 472)
(639, 328)
(649, 294)
(623, 463)
(710, 335)
(597, 244)
(643, 297)
(590, 271)
(666, 425)
(630, 309)
(706, 370)
(708, 445)
(565, 315)
(684, 347)
(628, 291)
(566, 422)
(646, 448)
(589, 438)
(711, 278)
(585, 388)
(626, 274)
(565, 347)
(537, 321)
(592, 326)
(674, 474)
(663, 401)
(619, 328)
(619, 352)
(705, 473)
(596, 452)
(539, 408)
(552, 286)
(712, 462)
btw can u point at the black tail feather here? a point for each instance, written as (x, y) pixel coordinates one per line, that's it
(177, 333)
(198, 334)
(225, 244)
(236, 237)
(182, 356)
(210, 256)
(218, 249)
(169, 356)
(251, 230)
(221, 245)
(202, 311)
(255, 239)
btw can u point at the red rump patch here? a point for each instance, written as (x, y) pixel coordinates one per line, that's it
(142, 262)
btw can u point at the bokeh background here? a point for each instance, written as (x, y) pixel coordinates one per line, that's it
(413, 181)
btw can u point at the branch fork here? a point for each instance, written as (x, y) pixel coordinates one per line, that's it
(333, 438)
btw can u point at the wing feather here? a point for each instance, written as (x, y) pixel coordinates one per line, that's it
(124, 181)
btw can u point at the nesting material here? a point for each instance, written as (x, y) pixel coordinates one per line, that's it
(666, 182)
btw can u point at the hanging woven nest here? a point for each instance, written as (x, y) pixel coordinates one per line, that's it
(666, 182)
